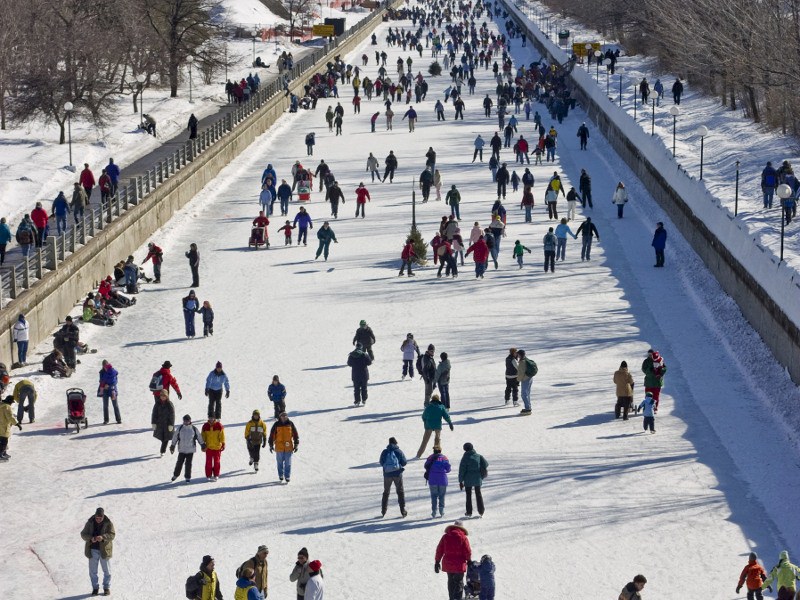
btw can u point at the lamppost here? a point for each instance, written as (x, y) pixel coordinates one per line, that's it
(607, 63)
(736, 194)
(674, 111)
(653, 117)
(68, 108)
(702, 131)
(597, 55)
(784, 192)
(588, 54)
(189, 61)
(254, 49)
(635, 99)
(140, 80)
(621, 71)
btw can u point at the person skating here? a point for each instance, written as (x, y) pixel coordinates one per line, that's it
(647, 406)
(442, 379)
(585, 188)
(426, 365)
(98, 535)
(754, 576)
(215, 381)
(583, 134)
(391, 166)
(654, 370)
(632, 590)
(259, 567)
(432, 419)
(7, 421)
(191, 306)
(284, 193)
(315, 586)
(163, 380)
(407, 255)
(479, 144)
(287, 233)
(586, 230)
(155, 254)
(526, 371)
(512, 383)
(325, 235)
(283, 442)
(411, 115)
(659, 243)
(393, 461)
(300, 573)
(785, 576)
(207, 315)
(302, 221)
(194, 264)
(366, 337)
(624, 382)
(359, 361)
(481, 256)
(362, 197)
(373, 168)
(550, 243)
(255, 435)
(185, 437)
(334, 195)
(471, 472)
(162, 419)
(214, 437)
(276, 392)
(562, 231)
(620, 198)
(453, 553)
(25, 396)
(108, 389)
(425, 183)
(437, 466)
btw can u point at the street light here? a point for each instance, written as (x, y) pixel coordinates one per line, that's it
(784, 192)
(702, 131)
(621, 71)
(588, 56)
(140, 80)
(189, 61)
(68, 108)
(254, 48)
(635, 98)
(597, 55)
(674, 111)
(607, 63)
(653, 118)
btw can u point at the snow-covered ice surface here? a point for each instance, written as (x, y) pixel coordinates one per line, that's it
(571, 492)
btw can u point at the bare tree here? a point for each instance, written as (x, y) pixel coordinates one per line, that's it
(298, 11)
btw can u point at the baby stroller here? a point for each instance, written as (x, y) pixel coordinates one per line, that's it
(76, 409)
(258, 237)
(473, 587)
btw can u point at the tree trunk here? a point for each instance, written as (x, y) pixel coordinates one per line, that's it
(751, 95)
(62, 136)
(135, 101)
(173, 76)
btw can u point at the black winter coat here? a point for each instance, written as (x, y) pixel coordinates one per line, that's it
(359, 362)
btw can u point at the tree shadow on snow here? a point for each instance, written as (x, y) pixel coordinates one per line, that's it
(112, 463)
(588, 420)
(370, 525)
(384, 417)
(155, 342)
(224, 490)
(372, 465)
(158, 487)
(319, 411)
(327, 368)
(109, 433)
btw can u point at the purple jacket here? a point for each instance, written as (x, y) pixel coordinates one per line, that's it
(437, 467)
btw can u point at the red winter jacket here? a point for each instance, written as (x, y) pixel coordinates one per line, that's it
(408, 252)
(39, 217)
(87, 178)
(454, 547)
(362, 195)
(155, 254)
(260, 221)
(523, 145)
(105, 183)
(481, 251)
(105, 289)
(167, 380)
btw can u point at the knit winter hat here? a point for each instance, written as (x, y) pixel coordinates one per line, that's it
(649, 394)
(303, 552)
(206, 560)
(166, 365)
(218, 365)
(435, 398)
(315, 565)
(187, 418)
(753, 557)
(393, 440)
(656, 355)
(468, 446)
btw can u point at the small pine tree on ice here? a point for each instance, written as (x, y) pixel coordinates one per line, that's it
(435, 69)
(420, 247)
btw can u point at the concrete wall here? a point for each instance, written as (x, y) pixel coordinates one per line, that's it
(48, 302)
(763, 312)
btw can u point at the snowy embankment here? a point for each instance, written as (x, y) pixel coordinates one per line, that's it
(568, 488)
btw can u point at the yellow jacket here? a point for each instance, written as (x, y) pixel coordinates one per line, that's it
(214, 437)
(209, 586)
(7, 420)
(22, 385)
(283, 437)
(255, 432)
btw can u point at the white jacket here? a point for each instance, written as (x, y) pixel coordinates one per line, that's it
(372, 164)
(410, 350)
(620, 196)
(21, 331)
(185, 437)
(315, 588)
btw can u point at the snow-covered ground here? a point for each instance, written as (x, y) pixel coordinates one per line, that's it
(574, 498)
(33, 163)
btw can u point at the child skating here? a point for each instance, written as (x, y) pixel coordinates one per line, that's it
(287, 232)
(648, 405)
(519, 252)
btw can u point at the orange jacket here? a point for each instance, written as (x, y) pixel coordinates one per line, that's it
(754, 574)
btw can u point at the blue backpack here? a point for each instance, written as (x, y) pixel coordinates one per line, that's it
(390, 461)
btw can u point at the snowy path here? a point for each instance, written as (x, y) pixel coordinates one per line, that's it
(571, 493)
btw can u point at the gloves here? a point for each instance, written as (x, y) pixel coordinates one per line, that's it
(222, 449)
(461, 485)
(437, 567)
(19, 426)
(738, 589)
(170, 428)
(271, 450)
(451, 427)
(206, 391)
(264, 445)
(227, 393)
(172, 449)
(154, 426)
(180, 396)
(296, 448)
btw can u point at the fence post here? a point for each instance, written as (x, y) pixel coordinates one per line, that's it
(13, 283)
(51, 256)
(26, 273)
(39, 263)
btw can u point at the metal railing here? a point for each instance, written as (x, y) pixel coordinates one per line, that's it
(22, 276)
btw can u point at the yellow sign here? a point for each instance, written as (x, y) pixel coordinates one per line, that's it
(579, 48)
(323, 30)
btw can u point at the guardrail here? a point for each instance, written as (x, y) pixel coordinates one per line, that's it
(25, 275)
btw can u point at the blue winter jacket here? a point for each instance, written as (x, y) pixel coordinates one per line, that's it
(649, 405)
(269, 172)
(112, 170)
(401, 458)
(215, 381)
(109, 377)
(5, 233)
(276, 393)
(562, 229)
(252, 593)
(60, 205)
(660, 239)
(486, 570)
(304, 219)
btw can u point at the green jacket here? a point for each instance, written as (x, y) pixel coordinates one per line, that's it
(442, 376)
(453, 198)
(469, 471)
(519, 250)
(108, 533)
(653, 378)
(784, 572)
(433, 414)
(325, 234)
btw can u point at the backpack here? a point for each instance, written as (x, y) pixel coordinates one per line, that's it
(530, 368)
(157, 382)
(419, 364)
(240, 569)
(194, 586)
(24, 237)
(390, 462)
